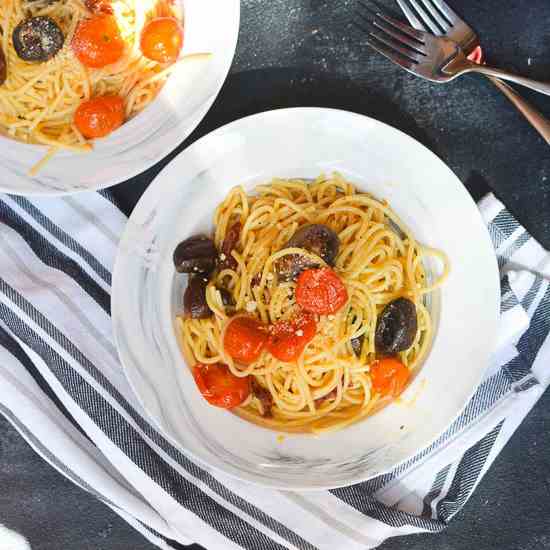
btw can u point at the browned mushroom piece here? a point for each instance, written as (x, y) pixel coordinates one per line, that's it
(227, 301)
(197, 254)
(227, 261)
(3, 67)
(194, 299)
(263, 395)
(357, 344)
(317, 238)
(329, 396)
(256, 280)
(396, 327)
(289, 267)
(37, 38)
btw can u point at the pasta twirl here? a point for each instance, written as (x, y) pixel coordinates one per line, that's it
(330, 385)
(38, 100)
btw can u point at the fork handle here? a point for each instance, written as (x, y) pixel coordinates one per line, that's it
(535, 117)
(541, 87)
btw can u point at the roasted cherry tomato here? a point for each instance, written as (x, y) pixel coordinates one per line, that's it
(99, 116)
(162, 39)
(287, 339)
(389, 376)
(97, 41)
(321, 291)
(245, 339)
(219, 386)
(99, 6)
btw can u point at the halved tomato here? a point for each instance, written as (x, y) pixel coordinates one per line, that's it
(219, 386)
(287, 339)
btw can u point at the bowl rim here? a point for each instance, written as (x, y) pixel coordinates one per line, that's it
(147, 204)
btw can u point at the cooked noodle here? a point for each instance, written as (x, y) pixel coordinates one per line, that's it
(38, 100)
(329, 387)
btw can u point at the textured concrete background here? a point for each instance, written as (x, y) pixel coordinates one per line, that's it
(305, 52)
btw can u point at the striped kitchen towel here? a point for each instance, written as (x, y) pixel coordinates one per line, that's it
(63, 388)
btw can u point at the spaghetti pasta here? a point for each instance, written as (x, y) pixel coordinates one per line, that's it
(38, 100)
(330, 385)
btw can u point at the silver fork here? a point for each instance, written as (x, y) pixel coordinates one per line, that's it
(436, 58)
(436, 16)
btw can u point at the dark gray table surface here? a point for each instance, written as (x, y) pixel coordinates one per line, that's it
(306, 52)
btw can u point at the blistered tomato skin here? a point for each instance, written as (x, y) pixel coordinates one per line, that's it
(287, 339)
(389, 376)
(97, 41)
(244, 339)
(99, 116)
(162, 40)
(219, 386)
(321, 291)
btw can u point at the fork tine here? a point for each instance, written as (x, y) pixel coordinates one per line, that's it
(388, 53)
(396, 45)
(387, 40)
(411, 16)
(447, 11)
(384, 9)
(417, 35)
(387, 30)
(441, 21)
(428, 21)
(381, 14)
(400, 37)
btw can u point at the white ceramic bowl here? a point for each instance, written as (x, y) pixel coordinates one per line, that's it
(155, 132)
(303, 143)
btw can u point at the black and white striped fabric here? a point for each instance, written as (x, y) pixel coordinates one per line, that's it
(62, 387)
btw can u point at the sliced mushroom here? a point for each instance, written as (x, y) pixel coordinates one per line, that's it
(264, 396)
(227, 300)
(317, 238)
(37, 38)
(229, 244)
(256, 280)
(3, 67)
(195, 255)
(357, 344)
(396, 327)
(290, 266)
(194, 299)
(329, 396)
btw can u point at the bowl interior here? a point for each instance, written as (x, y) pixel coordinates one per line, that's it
(304, 143)
(153, 133)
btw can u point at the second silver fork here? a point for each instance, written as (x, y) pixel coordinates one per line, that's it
(438, 17)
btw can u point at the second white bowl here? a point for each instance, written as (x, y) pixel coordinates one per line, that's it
(304, 143)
